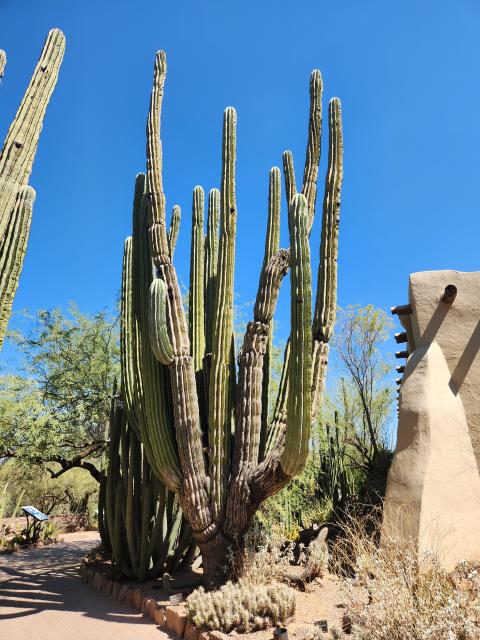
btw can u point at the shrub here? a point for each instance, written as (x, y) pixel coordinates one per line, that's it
(395, 594)
(241, 606)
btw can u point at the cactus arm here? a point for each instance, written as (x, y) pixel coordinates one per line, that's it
(157, 322)
(3, 62)
(174, 229)
(18, 152)
(289, 176)
(272, 245)
(326, 297)
(193, 491)
(278, 422)
(312, 160)
(211, 259)
(289, 453)
(13, 247)
(299, 396)
(272, 240)
(196, 316)
(309, 190)
(158, 230)
(144, 380)
(249, 410)
(222, 378)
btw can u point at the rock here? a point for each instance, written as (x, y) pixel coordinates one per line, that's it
(159, 616)
(191, 631)
(148, 605)
(122, 592)
(98, 580)
(217, 635)
(128, 597)
(107, 587)
(136, 600)
(115, 589)
(176, 619)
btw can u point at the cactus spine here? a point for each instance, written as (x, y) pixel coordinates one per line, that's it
(16, 161)
(223, 457)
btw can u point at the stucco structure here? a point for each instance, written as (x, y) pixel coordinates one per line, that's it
(433, 489)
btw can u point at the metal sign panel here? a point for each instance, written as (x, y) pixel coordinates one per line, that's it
(35, 513)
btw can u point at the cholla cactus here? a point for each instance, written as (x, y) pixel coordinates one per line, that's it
(16, 161)
(203, 424)
(241, 606)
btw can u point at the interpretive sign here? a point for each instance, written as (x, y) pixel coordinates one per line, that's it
(35, 513)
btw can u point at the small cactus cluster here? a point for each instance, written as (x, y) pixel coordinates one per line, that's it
(201, 413)
(147, 532)
(241, 606)
(16, 161)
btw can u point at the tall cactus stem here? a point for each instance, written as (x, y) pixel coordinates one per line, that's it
(289, 176)
(193, 493)
(326, 298)
(156, 197)
(272, 245)
(222, 379)
(312, 160)
(299, 397)
(211, 259)
(13, 248)
(19, 148)
(196, 313)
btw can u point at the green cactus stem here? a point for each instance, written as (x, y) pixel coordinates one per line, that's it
(174, 230)
(221, 480)
(145, 525)
(16, 161)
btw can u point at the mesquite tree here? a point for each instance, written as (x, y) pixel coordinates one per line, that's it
(204, 424)
(16, 161)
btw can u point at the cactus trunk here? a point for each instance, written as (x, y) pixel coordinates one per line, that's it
(204, 424)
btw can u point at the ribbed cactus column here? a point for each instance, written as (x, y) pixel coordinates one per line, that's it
(220, 452)
(145, 525)
(16, 161)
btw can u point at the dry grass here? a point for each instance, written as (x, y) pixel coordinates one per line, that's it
(267, 559)
(394, 595)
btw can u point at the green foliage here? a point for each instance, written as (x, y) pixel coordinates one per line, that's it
(58, 408)
(349, 454)
(73, 493)
(242, 606)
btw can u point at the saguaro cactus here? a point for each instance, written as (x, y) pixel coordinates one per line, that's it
(16, 161)
(204, 424)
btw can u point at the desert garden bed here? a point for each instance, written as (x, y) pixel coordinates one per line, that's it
(323, 600)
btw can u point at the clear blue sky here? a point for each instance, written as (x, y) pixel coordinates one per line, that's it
(408, 77)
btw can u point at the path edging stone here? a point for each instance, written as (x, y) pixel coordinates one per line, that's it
(172, 617)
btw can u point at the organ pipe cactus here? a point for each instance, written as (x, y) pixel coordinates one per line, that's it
(204, 424)
(16, 161)
(147, 532)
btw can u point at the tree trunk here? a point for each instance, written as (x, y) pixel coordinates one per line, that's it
(222, 559)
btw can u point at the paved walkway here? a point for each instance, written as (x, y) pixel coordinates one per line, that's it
(42, 597)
